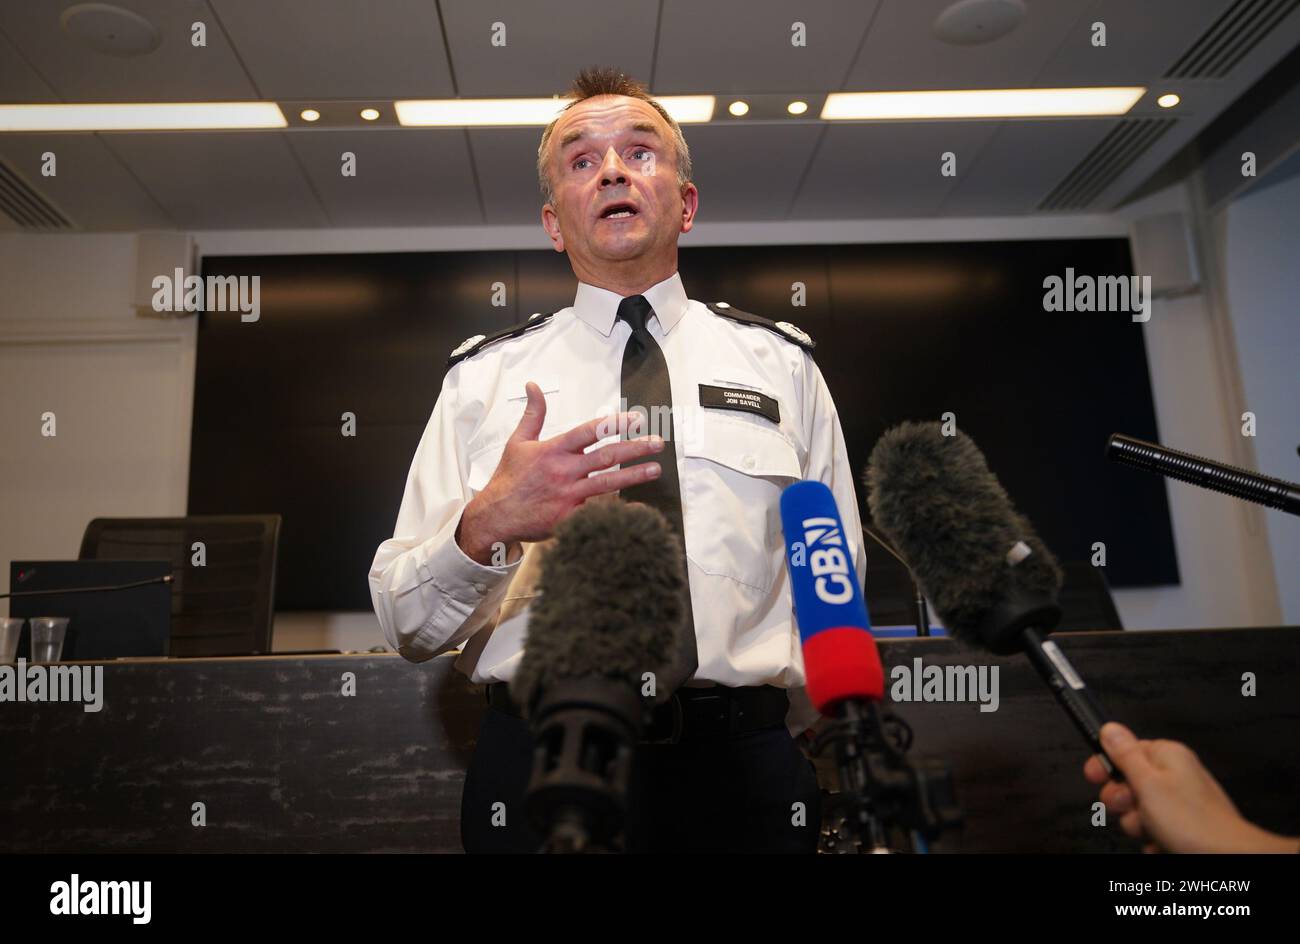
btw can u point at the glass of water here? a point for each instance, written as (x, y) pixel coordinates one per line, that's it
(47, 637)
(10, 627)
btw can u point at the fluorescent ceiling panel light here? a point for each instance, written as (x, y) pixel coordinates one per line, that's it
(478, 112)
(980, 103)
(164, 116)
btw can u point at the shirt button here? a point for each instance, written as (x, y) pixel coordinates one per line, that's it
(749, 462)
(480, 587)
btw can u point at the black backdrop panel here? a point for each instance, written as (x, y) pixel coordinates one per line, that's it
(904, 332)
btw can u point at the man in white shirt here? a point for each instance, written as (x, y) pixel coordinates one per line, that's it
(508, 454)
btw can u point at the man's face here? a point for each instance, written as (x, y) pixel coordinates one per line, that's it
(614, 150)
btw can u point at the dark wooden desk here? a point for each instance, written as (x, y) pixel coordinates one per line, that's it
(284, 762)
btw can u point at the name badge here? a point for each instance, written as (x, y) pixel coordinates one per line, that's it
(740, 398)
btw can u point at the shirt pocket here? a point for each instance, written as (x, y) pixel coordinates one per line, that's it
(733, 473)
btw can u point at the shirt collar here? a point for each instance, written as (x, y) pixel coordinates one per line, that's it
(598, 307)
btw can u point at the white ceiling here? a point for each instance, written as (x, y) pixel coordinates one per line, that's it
(295, 50)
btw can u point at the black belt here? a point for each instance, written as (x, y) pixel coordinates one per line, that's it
(693, 712)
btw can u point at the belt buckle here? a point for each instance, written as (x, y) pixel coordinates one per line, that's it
(679, 723)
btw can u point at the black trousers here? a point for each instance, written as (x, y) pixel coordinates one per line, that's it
(721, 794)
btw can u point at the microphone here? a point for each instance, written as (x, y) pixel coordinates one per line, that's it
(992, 581)
(610, 611)
(23, 575)
(879, 786)
(1228, 479)
(839, 653)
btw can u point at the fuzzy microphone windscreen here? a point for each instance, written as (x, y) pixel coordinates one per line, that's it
(612, 600)
(946, 513)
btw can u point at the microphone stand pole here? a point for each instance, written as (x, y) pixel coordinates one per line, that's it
(880, 788)
(922, 612)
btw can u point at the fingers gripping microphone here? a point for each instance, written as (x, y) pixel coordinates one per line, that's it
(992, 581)
(610, 611)
(839, 653)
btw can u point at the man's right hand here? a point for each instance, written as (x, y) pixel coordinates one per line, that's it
(538, 484)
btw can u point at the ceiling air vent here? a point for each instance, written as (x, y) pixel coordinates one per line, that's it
(1110, 158)
(1233, 34)
(25, 206)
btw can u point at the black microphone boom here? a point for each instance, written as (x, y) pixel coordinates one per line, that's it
(1228, 479)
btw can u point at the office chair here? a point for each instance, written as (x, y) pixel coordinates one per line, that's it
(222, 608)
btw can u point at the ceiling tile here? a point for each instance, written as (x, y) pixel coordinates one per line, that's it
(506, 159)
(176, 71)
(222, 180)
(18, 80)
(1142, 41)
(901, 51)
(886, 169)
(748, 172)
(91, 187)
(1021, 164)
(545, 43)
(745, 45)
(323, 49)
(407, 177)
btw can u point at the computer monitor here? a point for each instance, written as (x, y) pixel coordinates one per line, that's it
(103, 624)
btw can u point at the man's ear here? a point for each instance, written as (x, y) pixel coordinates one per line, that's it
(690, 205)
(557, 239)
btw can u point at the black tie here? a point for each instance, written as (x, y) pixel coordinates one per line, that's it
(645, 386)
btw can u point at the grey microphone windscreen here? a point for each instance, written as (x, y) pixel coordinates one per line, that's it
(936, 499)
(612, 600)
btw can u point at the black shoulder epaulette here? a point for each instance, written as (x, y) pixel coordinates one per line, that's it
(783, 328)
(471, 346)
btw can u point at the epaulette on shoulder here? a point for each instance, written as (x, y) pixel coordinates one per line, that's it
(471, 346)
(783, 328)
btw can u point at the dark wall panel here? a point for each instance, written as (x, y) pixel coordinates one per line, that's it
(904, 332)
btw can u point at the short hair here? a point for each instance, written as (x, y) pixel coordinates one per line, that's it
(595, 81)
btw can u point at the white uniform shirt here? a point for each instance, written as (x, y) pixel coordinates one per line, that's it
(732, 465)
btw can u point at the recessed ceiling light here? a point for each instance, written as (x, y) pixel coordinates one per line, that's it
(370, 114)
(479, 112)
(980, 103)
(164, 116)
(797, 108)
(309, 114)
(1168, 100)
(738, 109)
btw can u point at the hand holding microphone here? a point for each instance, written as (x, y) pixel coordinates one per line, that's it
(1171, 800)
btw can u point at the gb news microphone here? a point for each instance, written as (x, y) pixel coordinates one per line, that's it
(992, 581)
(846, 682)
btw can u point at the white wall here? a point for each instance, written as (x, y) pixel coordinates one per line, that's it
(1262, 250)
(1224, 558)
(120, 389)
(66, 319)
